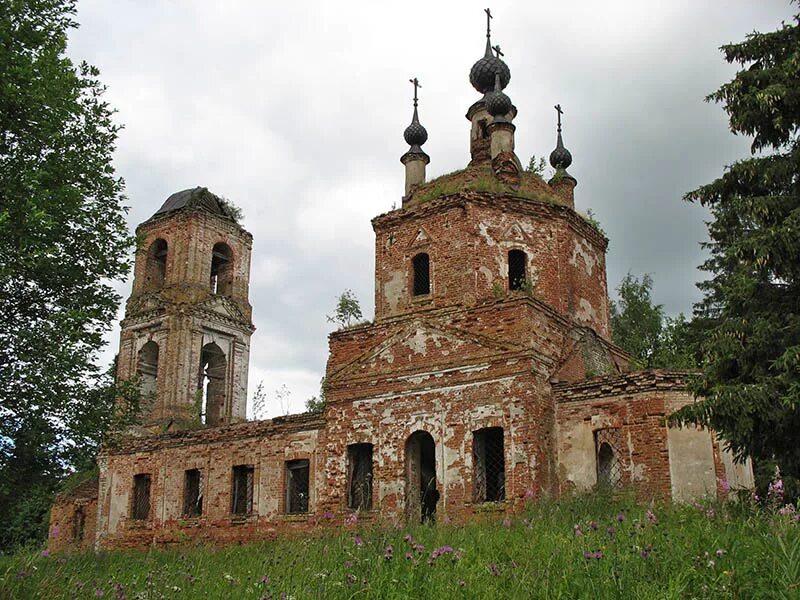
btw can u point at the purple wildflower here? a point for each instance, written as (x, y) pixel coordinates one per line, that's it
(326, 515)
(594, 525)
(264, 579)
(578, 531)
(611, 531)
(98, 592)
(409, 556)
(494, 569)
(358, 540)
(646, 551)
(351, 519)
(54, 532)
(620, 517)
(407, 538)
(530, 494)
(388, 553)
(597, 555)
(650, 516)
(46, 552)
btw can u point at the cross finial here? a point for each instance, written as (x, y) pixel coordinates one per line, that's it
(415, 81)
(560, 112)
(488, 17)
(497, 49)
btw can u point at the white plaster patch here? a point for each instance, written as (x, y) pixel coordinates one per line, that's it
(393, 289)
(583, 250)
(585, 312)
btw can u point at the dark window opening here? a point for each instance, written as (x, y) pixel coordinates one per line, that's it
(147, 370)
(221, 270)
(422, 274)
(359, 476)
(422, 493)
(609, 467)
(483, 129)
(516, 269)
(211, 382)
(78, 524)
(140, 507)
(297, 472)
(193, 493)
(156, 267)
(488, 457)
(242, 495)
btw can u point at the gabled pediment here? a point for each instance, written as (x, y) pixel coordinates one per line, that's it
(422, 238)
(516, 233)
(224, 307)
(421, 346)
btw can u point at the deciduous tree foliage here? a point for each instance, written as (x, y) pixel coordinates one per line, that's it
(641, 328)
(62, 236)
(750, 313)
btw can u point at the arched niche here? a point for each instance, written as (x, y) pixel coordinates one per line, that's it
(212, 384)
(221, 281)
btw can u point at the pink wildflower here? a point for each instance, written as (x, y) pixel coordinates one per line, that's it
(578, 532)
(620, 517)
(46, 552)
(55, 531)
(358, 541)
(650, 516)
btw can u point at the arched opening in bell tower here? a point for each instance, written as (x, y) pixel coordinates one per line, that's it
(156, 267)
(221, 269)
(211, 385)
(147, 371)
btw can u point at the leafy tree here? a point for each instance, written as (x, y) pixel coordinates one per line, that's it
(635, 322)
(62, 234)
(750, 314)
(641, 328)
(347, 310)
(316, 404)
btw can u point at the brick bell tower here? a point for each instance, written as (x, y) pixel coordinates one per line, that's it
(186, 332)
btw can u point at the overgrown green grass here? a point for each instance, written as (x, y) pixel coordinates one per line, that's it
(579, 548)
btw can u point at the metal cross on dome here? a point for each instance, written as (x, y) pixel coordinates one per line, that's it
(416, 83)
(560, 112)
(488, 17)
(497, 49)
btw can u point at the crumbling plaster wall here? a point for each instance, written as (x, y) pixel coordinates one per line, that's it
(214, 452)
(468, 239)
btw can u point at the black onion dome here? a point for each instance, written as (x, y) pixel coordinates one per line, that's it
(415, 134)
(560, 158)
(483, 72)
(497, 103)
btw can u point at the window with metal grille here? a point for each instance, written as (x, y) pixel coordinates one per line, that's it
(489, 461)
(359, 476)
(422, 274)
(242, 495)
(193, 493)
(140, 507)
(78, 524)
(516, 269)
(297, 486)
(607, 447)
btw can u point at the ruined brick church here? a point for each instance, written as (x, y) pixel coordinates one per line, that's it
(486, 380)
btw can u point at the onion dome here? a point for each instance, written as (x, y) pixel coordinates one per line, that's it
(483, 72)
(560, 158)
(498, 104)
(415, 134)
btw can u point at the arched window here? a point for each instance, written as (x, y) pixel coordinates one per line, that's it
(147, 370)
(221, 269)
(517, 276)
(213, 368)
(605, 464)
(156, 267)
(422, 274)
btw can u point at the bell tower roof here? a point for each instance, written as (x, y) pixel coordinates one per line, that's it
(194, 198)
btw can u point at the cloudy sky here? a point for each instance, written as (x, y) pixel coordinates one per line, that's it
(295, 112)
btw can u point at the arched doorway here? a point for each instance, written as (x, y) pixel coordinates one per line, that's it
(422, 494)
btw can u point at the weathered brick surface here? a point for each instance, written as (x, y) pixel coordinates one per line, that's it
(73, 518)
(472, 355)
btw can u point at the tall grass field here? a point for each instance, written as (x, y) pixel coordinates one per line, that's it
(587, 547)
